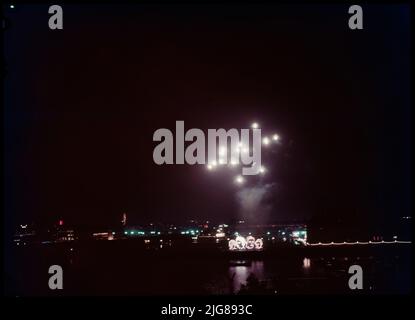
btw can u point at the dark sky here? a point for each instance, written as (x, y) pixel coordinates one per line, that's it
(81, 106)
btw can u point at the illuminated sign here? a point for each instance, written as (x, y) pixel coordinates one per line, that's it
(249, 243)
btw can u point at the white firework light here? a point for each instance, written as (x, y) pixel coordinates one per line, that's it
(225, 152)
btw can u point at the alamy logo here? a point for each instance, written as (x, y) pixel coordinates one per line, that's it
(217, 147)
(56, 280)
(56, 19)
(356, 280)
(356, 20)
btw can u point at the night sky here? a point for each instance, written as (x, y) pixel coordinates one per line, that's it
(82, 104)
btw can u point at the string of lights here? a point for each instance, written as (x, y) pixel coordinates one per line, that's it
(357, 243)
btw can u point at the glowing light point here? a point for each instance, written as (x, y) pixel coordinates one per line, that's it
(255, 125)
(275, 137)
(262, 170)
(239, 180)
(265, 141)
(11, 6)
(213, 164)
(222, 151)
(209, 167)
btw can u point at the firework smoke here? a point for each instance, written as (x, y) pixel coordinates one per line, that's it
(253, 203)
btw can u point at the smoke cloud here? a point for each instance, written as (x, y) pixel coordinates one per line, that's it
(253, 203)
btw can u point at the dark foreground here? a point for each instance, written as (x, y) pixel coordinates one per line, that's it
(127, 268)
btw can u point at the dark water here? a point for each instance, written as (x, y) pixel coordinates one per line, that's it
(117, 268)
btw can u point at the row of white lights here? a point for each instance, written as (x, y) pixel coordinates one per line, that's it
(356, 242)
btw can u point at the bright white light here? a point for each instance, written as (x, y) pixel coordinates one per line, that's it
(259, 244)
(248, 243)
(222, 161)
(255, 125)
(11, 6)
(262, 170)
(222, 151)
(265, 140)
(240, 242)
(275, 137)
(211, 166)
(245, 150)
(232, 244)
(239, 179)
(234, 163)
(306, 263)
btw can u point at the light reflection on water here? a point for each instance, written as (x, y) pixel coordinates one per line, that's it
(240, 270)
(318, 274)
(240, 273)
